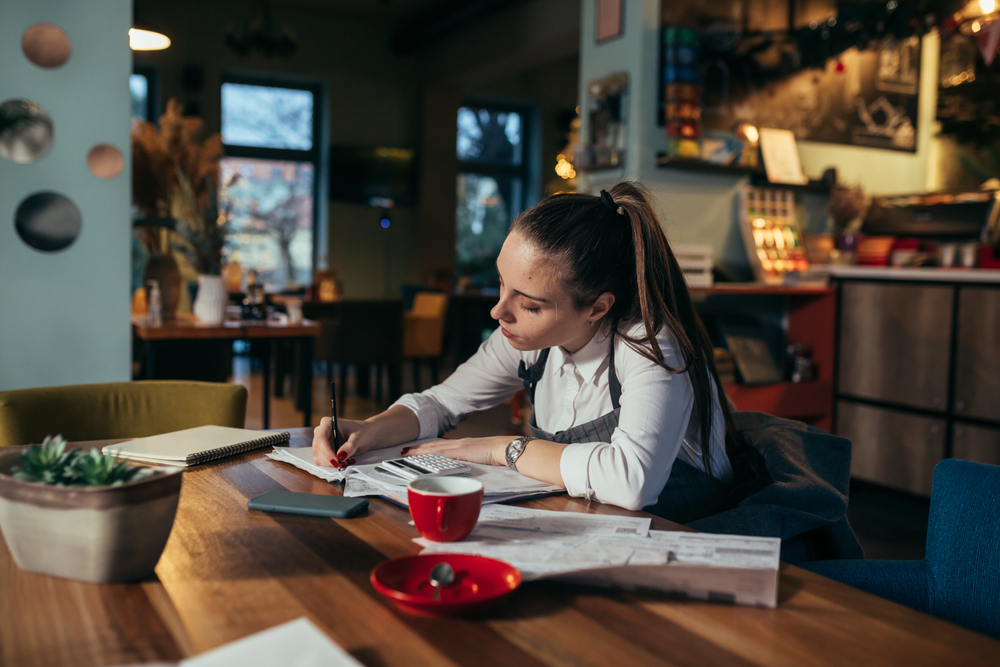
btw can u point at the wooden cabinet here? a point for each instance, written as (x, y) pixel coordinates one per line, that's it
(892, 447)
(894, 343)
(918, 378)
(976, 443)
(977, 357)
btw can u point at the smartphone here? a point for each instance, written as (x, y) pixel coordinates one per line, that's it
(312, 504)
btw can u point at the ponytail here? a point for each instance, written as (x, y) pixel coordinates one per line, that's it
(614, 243)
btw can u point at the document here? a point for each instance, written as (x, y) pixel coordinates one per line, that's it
(500, 483)
(620, 553)
(297, 643)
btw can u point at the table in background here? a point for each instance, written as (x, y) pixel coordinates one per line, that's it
(227, 572)
(187, 328)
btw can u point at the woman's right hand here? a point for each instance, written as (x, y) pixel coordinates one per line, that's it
(352, 441)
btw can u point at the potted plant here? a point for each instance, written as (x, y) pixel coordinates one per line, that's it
(175, 175)
(84, 515)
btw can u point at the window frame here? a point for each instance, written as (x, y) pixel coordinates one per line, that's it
(315, 155)
(529, 169)
(152, 74)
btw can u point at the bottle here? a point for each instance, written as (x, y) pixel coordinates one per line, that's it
(155, 317)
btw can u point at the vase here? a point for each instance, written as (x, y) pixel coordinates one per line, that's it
(210, 304)
(163, 269)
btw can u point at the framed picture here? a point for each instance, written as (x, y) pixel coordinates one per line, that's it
(610, 20)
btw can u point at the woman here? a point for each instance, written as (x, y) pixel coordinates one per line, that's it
(597, 325)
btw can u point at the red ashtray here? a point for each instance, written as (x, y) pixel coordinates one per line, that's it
(479, 581)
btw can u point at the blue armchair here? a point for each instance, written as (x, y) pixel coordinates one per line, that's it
(959, 579)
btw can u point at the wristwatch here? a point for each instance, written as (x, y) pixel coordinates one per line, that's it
(515, 449)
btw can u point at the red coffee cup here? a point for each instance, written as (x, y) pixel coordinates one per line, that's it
(445, 509)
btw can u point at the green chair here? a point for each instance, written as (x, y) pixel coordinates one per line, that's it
(117, 410)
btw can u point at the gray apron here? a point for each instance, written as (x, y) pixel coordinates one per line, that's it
(689, 494)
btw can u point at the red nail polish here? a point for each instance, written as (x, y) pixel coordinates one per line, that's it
(333, 462)
(341, 456)
(404, 450)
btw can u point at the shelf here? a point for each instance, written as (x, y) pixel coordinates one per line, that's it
(757, 175)
(761, 288)
(805, 401)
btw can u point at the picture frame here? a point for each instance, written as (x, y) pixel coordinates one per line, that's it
(610, 23)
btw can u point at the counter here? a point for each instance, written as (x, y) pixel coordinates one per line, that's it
(943, 275)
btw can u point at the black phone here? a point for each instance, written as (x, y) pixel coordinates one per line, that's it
(312, 504)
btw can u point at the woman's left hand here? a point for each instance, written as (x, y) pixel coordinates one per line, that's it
(489, 451)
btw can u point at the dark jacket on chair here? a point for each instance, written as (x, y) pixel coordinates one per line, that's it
(805, 504)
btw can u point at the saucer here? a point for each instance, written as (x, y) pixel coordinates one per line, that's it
(479, 581)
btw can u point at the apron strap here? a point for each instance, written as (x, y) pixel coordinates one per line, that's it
(531, 376)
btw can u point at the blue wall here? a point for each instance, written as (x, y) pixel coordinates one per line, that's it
(64, 316)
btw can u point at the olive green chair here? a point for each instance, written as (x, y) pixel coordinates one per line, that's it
(117, 410)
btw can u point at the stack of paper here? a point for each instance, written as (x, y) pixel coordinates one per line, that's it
(366, 477)
(622, 552)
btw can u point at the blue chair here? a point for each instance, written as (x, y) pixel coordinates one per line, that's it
(959, 579)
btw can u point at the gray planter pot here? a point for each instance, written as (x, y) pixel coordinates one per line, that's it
(109, 534)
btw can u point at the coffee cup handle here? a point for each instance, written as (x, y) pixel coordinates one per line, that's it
(442, 514)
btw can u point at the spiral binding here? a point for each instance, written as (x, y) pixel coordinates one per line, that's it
(238, 448)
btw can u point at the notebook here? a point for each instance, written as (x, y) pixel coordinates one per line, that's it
(196, 445)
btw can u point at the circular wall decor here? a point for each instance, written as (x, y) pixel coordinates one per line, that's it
(47, 221)
(46, 45)
(26, 131)
(105, 161)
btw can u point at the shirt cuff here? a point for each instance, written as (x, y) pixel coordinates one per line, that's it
(426, 411)
(574, 465)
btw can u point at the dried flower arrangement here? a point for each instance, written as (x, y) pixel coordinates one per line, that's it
(175, 177)
(847, 204)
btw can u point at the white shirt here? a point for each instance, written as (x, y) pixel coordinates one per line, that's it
(655, 425)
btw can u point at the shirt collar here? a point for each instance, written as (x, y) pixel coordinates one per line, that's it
(589, 359)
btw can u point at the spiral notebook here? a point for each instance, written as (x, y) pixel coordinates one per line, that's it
(195, 445)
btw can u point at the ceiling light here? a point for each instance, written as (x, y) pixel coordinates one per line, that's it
(147, 40)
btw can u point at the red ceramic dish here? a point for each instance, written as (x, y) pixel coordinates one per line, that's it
(479, 581)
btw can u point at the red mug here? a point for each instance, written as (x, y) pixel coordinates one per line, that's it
(445, 509)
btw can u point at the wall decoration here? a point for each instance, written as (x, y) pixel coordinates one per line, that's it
(105, 161)
(47, 221)
(46, 45)
(26, 131)
(607, 120)
(610, 19)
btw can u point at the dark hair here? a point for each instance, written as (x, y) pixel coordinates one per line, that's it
(627, 254)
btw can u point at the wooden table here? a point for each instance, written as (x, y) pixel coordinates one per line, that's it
(189, 328)
(228, 572)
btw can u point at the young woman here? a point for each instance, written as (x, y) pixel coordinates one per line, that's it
(596, 324)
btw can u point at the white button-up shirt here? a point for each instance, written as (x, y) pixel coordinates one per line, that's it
(655, 425)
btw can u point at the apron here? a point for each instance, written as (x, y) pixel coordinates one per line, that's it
(689, 494)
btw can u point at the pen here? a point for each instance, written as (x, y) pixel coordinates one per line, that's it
(333, 410)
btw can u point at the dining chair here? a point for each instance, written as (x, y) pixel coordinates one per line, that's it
(423, 332)
(362, 333)
(117, 410)
(959, 578)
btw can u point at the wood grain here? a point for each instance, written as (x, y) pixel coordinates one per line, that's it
(227, 572)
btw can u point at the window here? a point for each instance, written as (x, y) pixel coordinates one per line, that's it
(494, 170)
(142, 87)
(269, 177)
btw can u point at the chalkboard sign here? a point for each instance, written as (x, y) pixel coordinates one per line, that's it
(864, 98)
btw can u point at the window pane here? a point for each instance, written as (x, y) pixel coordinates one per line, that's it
(267, 117)
(489, 136)
(485, 208)
(138, 86)
(271, 217)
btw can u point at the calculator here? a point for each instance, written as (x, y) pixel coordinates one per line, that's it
(424, 465)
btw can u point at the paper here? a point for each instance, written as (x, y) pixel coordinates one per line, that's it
(500, 484)
(297, 643)
(621, 553)
(781, 156)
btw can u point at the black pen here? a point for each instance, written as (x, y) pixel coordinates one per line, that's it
(333, 409)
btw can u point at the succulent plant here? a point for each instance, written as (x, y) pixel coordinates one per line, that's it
(50, 463)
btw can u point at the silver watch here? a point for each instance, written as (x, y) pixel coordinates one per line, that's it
(515, 449)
